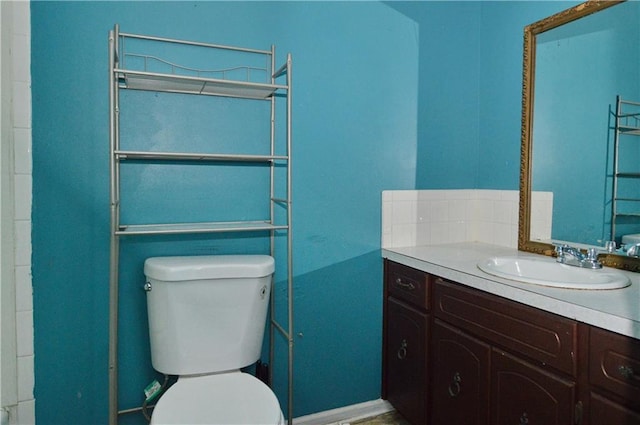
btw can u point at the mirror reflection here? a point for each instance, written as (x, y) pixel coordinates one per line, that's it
(580, 174)
(586, 75)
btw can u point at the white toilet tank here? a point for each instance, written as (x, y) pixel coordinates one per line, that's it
(631, 239)
(207, 313)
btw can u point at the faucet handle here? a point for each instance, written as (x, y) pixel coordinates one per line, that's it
(592, 254)
(560, 248)
(610, 246)
(560, 251)
(634, 250)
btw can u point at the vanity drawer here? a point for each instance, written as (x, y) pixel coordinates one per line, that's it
(542, 337)
(408, 284)
(614, 364)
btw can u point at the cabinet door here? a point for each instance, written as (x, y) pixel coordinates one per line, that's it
(407, 336)
(607, 412)
(460, 391)
(524, 394)
(614, 365)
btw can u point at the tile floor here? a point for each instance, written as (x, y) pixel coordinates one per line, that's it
(391, 418)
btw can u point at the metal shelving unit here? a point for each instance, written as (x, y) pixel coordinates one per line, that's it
(181, 79)
(625, 206)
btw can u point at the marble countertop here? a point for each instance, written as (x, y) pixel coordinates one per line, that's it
(617, 310)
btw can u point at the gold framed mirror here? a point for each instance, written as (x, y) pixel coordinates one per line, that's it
(531, 34)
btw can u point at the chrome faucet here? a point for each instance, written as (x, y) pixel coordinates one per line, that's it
(634, 250)
(571, 256)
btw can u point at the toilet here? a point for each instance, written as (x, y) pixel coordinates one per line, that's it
(631, 239)
(207, 318)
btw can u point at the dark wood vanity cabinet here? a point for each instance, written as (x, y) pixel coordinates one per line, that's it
(525, 394)
(406, 340)
(460, 386)
(520, 361)
(614, 378)
(407, 356)
(455, 355)
(476, 384)
(487, 360)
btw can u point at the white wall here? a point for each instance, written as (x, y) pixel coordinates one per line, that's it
(16, 171)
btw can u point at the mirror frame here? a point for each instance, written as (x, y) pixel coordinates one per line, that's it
(528, 84)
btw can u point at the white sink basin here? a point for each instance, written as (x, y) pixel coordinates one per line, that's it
(547, 272)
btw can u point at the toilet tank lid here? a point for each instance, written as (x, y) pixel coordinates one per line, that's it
(208, 267)
(631, 239)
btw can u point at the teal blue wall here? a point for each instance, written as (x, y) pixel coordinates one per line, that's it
(355, 122)
(500, 88)
(448, 87)
(387, 96)
(470, 90)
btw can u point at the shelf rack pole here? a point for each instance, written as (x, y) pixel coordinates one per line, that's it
(194, 43)
(289, 243)
(272, 136)
(289, 330)
(114, 242)
(272, 301)
(616, 141)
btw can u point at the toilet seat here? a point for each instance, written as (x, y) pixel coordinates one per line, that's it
(227, 398)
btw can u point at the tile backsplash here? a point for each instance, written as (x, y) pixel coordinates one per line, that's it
(428, 217)
(16, 40)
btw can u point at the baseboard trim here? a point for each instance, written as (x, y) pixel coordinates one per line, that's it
(347, 413)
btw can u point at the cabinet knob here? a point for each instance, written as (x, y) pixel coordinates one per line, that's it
(402, 351)
(524, 419)
(454, 386)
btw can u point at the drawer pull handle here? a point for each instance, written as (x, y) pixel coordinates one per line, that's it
(454, 386)
(402, 351)
(405, 285)
(627, 372)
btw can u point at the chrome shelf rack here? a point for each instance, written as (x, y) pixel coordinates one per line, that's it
(627, 123)
(218, 82)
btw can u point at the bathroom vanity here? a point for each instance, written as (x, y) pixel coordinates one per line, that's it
(464, 347)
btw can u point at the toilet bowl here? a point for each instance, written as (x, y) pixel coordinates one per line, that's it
(222, 399)
(207, 317)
